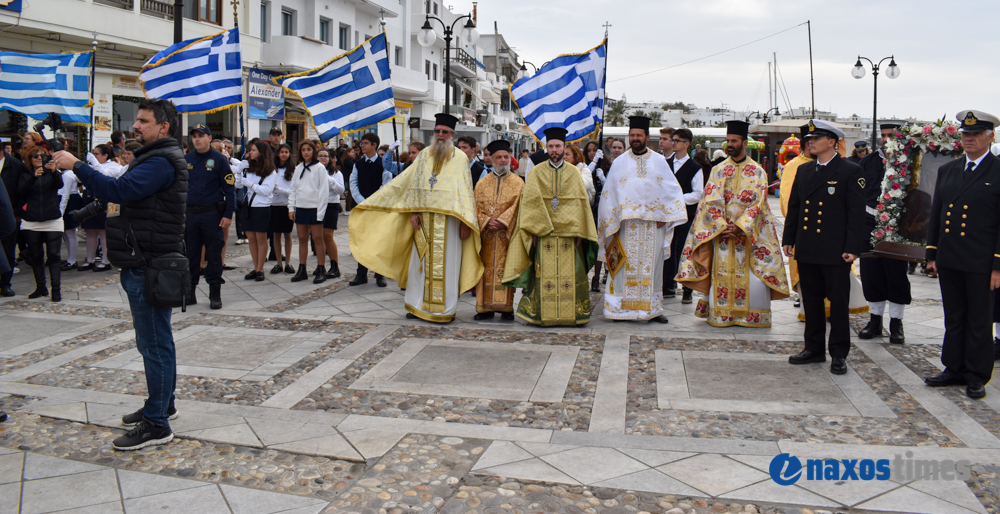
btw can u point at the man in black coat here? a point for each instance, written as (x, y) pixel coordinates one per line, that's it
(11, 169)
(963, 245)
(882, 279)
(824, 231)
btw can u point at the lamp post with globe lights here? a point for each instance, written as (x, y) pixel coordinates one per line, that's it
(426, 37)
(892, 72)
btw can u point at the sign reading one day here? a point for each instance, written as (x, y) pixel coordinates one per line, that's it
(267, 101)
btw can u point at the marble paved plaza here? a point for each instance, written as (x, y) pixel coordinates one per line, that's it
(304, 398)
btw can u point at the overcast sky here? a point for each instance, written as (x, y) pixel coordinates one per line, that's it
(947, 51)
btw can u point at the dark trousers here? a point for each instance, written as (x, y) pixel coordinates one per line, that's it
(833, 282)
(885, 279)
(9, 244)
(363, 272)
(203, 230)
(670, 265)
(968, 336)
(43, 252)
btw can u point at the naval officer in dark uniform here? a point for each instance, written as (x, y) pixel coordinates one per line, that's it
(824, 231)
(882, 280)
(211, 201)
(963, 245)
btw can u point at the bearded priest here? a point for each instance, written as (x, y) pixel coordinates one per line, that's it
(554, 242)
(636, 220)
(497, 196)
(732, 253)
(421, 229)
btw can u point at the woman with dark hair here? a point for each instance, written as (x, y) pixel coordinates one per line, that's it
(41, 221)
(281, 226)
(347, 163)
(598, 167)
(101, 158)
(701, 157)
(307, 200)
(332, 211)
(259, 180)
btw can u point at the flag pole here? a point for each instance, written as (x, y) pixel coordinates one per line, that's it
(395, 137)
(600, 140)
(93, 73)
(236, 24)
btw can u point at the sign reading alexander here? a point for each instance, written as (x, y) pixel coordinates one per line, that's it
(267, 101)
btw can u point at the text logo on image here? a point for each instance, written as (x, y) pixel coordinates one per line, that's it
(786, 469)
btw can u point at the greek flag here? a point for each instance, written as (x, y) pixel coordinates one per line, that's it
(198, 75)
(348, 93)
(37, 84)
(567, 92)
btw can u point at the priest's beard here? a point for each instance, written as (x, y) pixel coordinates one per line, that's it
(441, 151)
(501, 170)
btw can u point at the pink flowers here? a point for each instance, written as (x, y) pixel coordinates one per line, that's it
(879, 234)
(886, 196)
(950, 129)
(888, 228)
(927, 129)
(881, 206)
(884, 217)
(931, 146)
(895, 186)
(902, 173)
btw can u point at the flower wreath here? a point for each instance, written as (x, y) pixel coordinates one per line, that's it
(901, 151)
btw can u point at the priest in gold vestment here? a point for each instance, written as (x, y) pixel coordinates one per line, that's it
(733, 253)
(497, 197)
(640, 207)
(554, 242)
(421, 229)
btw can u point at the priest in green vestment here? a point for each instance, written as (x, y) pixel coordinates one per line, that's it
(554, 242)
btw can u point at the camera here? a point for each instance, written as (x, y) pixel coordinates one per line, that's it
(88, 211)
(54, 122)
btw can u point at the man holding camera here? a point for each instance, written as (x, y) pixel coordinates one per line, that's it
(151, 200)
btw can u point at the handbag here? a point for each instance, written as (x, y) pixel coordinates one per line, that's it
(168, 277)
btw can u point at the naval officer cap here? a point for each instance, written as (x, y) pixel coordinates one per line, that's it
(891, 124)
(500, 145)
(976, 121)
(860, 144)
(822, 128)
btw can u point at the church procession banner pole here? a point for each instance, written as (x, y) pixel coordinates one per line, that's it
(236, 24)
(93, 74)
(600, 141)
(395, 137)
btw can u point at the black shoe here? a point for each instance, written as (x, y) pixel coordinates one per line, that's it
(975, 390)
(807, 356)
(301, 275)
(873, 329)
(334, 270)
(260, 276)
(797, 303)
(146, 433)
(250, 276)
(410, 315)
(595, 284)
(215, 296)
(687, 296)
(135, 417)
(39, 292)
(896, 331)
(3, 416)
(68, 266)
(320, 274)
(289, 269)
(277, 269)
(6, 292)
(660, 319)
(56, 294)
(85, 267)
(192, 297)
(944, 378)
(507, 316)
(838, 366)
(380, 280)
(358, 280)
(483, 316)
(670, 293)
(996, 343)
(102, 267)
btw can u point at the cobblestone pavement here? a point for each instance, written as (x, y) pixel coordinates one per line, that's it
(324, 398)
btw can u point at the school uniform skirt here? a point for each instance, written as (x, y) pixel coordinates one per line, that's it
(280, 224)
(330, 220)
(258, 220)
(305, 216)
(75, 202)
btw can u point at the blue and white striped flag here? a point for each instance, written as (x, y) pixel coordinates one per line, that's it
(37, 84)
(567, 92)
(348, 93)
(198, 75)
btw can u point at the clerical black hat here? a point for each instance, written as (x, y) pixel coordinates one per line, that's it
(738, 128)
(861, 144)
(638, 122)
(976, 121)
(555, 133)
(500, 145)
(445, 119)
(803, 130)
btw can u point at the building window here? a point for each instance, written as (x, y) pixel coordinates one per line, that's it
(344, 37)
(208, 10)
(427, 69)
(435, 71)
(287, 22)
(427, 4)
(264, 35)
(324, 31)
(399, 56)
(435, 7)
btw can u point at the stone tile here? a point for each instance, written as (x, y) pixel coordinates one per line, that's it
(11, 466)
(333, 446)
(539, 449)
(277, 432)
(188, 422)
(135, 485)
(10, 496)
(204, 500)
(531, 469)
(306, 510)
(107, 413)
(243, 500)
(713, 474)
(373, 443)
(79, 490)
(655, 457)
(651, 481)
(691, 444)
(769, 491)
(579, 464)
(849, 492)
(608, 412)
(239, 435)
(42, 466)
(501, 452)
(906, 499)
(953, 491)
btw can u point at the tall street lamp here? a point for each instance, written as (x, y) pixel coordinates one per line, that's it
(891, 72)
(427, 37)
(524, 69)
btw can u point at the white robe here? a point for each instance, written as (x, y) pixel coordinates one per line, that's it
(636, 293)
(414, 298)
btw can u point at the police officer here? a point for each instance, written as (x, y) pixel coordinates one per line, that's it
(825, 228)
(963, 246)
(860, 152)
(211, 201)
(883, 280)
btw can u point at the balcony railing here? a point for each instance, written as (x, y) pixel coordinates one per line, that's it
(124, 4)
(157, 8)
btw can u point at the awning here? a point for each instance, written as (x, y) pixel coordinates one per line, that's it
(489, 96)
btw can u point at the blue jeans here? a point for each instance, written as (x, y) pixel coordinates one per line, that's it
(155, 341)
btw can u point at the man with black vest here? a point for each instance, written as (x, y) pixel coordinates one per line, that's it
(963, 246)
(690, 177)
(367, 177)
(151, 200)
